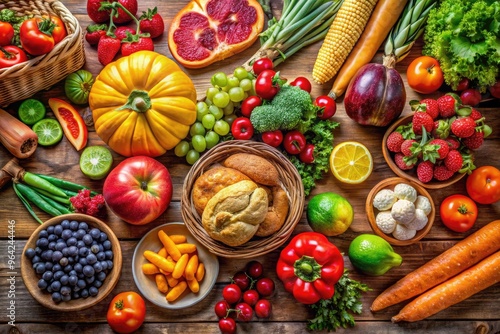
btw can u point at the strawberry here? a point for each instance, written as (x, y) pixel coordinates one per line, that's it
(443, 149)
(94, 32)
(100, 13)
(121, 32)
(441, 173)
(405, 147)
(441, 129)
(107, 49)
(447, 105)
(425, 171)
(453, 143)
(422, 119)
(134, 43)
(431, 107)
(151, 22)
(475, 141)
(463, 127)
(475, 114)
(394, 141)
(398, 159)
(453, 161)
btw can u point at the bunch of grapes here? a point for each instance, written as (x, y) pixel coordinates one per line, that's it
(216, 114)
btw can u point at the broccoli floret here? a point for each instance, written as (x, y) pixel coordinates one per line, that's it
(285, 111)
(8, 15)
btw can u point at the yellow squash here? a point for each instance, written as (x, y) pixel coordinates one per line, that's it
(143, 104)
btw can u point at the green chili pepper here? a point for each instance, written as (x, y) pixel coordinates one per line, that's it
(64, 200)
(34, 197)
(38, 182)
(69, 193)
(25, 202)
(63, 209)
(63, 184)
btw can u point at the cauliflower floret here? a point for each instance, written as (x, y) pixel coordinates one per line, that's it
(402, 232)
(384, 199)
(405, 191)
(420, 220)
(403, 211)
(423, 204)
(385, 222)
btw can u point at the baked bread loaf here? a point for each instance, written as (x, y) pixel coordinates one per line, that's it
(211, 182)
(233, 215)
(255, 167)
(276, 213)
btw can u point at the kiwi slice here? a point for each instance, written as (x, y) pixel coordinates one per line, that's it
(96, 162)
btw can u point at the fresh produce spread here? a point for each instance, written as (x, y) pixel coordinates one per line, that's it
(140, 121)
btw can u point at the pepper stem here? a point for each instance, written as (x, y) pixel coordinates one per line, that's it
(307, 269)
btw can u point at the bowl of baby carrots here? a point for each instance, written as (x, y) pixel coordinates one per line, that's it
(172, 269)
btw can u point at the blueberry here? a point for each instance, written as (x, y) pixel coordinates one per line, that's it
(68, 268)
(81, 283)
(80, 233)
(97, 284)
(88, 271)
(49, 289)
(75, 295)
(94, 249)
(110, 264)
(64, 280)
(101, 276)
(42, 284)
(56, 267)
(80, 244)
(93, 291)
(66, 298)
(30, 253)
(48, 275)
(90, 280)
(83, 251)
(50, 229)
(91, 258)
(52, 245)
(72, 272)
(43, 234)
(65, 290)
(40, 269)
(66, 234)
(78, 267)
(95, 233)
(72, 280)
(87, 239)
(42, 243)
(72, 250)
(65, 252)
(84, 293)
(56, 297)
(38, 250)
(56, 256)
(49, 266)
(97, 267)
(55, 286)
(82, 261)
(72, 242)
(109, 254)
(58, 275)
(65, 224)
(74, 225)
(71, 260)
(83, 226)
(103, 237)
(81, 275)
(60, 245)
(47, 255)
(52, 237)
(63, 261)
(106, 244)
(104, 265)
(58, 230)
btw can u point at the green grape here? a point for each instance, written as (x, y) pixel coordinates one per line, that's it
(229, 109)
(221, 99)
(199, 143)
(219, 79)
(216, 111)
(200, 112)
(192, 156)
(182, 148)
(236, 94)
(229, 119)
(246, 84)
(197, 129)
(208, 121)
(233, 82)
(212, 138)
(211, 91)
(240, 73)
(221, 127)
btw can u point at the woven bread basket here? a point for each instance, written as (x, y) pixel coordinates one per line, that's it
(23, 80)
(290, 181)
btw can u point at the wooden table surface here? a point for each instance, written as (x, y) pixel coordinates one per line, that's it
(478, 314)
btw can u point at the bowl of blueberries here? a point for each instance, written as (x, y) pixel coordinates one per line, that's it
(71, 262)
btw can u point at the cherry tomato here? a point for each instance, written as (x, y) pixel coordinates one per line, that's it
(242, 280)
(470, 97)
(244, 311)
(272, 138)
(263, 308)
(227, 326)
(463, 85)
(126, 312)
(251, 297)
(11, 55)
(35, 36)
(265, 286)
(294, 142)
(267, 84)
(424, 75)
(495, 90)
(222, 309)
(303, 83)
(483, 185)
(242, 128)
(59, 31)
(262, 64)
(254, 269)
(458, 213)
(326, 106)
(248, 105)
(307, 154)
(6, 33)
(231, 293)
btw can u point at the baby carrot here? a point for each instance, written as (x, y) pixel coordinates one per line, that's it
(169, 245)
(191, 267)
(171, 281)
(178, 238)
(163, 252)
(180, 266)
(159, 261)
(176, 291)
(200, 271)
(150, 269)
(471, 281)
(186, 248)
(161, 283)
(193, 285)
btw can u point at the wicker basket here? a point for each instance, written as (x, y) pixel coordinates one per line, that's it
(290, 181)
(23, 80)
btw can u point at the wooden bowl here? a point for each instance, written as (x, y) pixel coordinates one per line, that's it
(30, 278)
(290, 180)
(412, 173)
(371, 211)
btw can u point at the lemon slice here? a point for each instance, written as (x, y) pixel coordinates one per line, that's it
(351, 162)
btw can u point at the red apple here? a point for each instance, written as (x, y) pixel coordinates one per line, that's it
(138, 190)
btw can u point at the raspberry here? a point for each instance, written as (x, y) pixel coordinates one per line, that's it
(405, 147)
(443, 149)
(431, 107)
(398, 159)
(463, 127)
(83, 203)
(441, 173)
(422, 119)
(475, 141)
(425, 171)
(447, 106)
(394, 141)
(453, 161)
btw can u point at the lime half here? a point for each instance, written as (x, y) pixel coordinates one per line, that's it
(49, 131)
(96, 162)
(31, 111)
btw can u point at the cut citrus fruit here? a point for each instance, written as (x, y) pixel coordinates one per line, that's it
(351, 162)
(49, 131)
(206, 31)
(95, 162)
(72, 123)
(31, 111)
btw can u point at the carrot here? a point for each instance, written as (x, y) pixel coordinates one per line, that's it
(161, 283)
(471, 281)
(163, 252)
(200, 272)
(169, 245)
(191, 267)
(150, 269)
(383, 17)
(178, 238)
(180, 266)
(193, 285)
(159, 261)
(176, 291)
(459, 257)
(171, 281)
(186, 248)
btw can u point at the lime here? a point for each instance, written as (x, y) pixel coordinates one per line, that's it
(351, 162)
(95, 162)
(329, 213)
(31, 111)
(372, 255)
(49, 131)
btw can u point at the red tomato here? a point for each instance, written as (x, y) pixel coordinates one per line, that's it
(272, 138)
(458, 213)
(244, 312)
(59, 31)
(231, 293)
(294, 142)
(227, 326)
(262, 64)
(483, 185)
(11, 55)
(222, 309)
(251, 297)
(265, 286)
(35, 36)
(242, 280)
(126, 312)
(424, 75)
(6, 33)
(307, 154)
(263, 308)
(249, 104)
(326, 106)
(254, 269)
(242, 128)
(267, 84)
(303, 83)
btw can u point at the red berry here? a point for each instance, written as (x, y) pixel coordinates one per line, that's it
(453, 143)
(475, 114)
(453, 161)
(398, 159)
(463, 127)
(425, 171)
(441, 173)
(470, 97)
(475, 141)
(405, 147)
(447, 106)
(422, 119)
(394, 141)
(151, 22)
(443, 149)
(431, 107)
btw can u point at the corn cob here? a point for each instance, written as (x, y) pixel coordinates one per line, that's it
(343, 34)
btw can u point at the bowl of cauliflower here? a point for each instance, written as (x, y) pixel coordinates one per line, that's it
(400, 211)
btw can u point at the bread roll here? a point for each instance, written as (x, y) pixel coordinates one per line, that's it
(276, 213)
(255, 167)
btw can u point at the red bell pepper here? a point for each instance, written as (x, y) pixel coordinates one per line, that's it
(309, 266)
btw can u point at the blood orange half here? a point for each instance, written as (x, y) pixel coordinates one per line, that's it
(206, 31)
